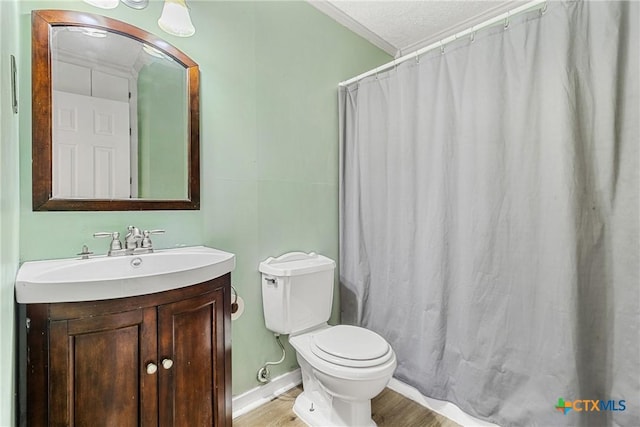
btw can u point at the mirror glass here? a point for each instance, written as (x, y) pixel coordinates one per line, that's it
(119, 118)
(121, 130)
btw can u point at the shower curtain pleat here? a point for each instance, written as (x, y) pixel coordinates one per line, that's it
(489, 216)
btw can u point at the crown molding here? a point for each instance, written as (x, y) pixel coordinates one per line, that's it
(339, 16)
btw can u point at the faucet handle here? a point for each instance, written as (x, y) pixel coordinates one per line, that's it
(146, 239)
(85, 252)
(115, 245)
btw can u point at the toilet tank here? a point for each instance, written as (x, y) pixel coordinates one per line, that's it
(297, 291)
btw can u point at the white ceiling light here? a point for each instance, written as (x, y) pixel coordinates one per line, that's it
(103, 4)
(92, 32)
(153, 51)
(175, 19)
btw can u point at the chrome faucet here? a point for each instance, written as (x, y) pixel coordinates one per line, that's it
(133, 237)
(135, 242)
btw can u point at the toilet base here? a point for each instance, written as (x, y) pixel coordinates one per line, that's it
(317, 411)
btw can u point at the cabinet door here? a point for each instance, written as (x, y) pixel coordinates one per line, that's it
(191, 336)
(97, 372)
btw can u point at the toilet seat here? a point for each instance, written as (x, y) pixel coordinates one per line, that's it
(379, 368)
(351, 346)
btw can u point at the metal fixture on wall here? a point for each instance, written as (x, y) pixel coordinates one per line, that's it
(103, 4)
(14, 86)
(136, 4)
(175, 18)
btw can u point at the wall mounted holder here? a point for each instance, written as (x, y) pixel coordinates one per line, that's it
(14, 85)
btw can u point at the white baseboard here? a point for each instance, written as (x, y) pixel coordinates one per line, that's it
(442, 407)
(260, 395)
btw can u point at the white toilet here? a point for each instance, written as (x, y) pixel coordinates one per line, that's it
(343, 367)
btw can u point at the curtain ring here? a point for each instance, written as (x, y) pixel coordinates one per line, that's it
(417, 58)
(506, 21)
(543, 10)
(472, 37)
(441, 47)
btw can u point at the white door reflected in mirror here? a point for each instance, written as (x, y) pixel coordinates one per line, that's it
(91, 152)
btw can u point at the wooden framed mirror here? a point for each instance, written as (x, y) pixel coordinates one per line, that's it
(116, 120)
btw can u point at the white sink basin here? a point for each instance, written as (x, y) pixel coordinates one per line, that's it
(102, 277)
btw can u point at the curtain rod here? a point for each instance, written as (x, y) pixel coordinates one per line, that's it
(440, 44)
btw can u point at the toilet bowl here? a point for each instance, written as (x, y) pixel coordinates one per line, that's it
(343, 367)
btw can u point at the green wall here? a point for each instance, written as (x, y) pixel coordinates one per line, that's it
(9, 213)
(269, 149)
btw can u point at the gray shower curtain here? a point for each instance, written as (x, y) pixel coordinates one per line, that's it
(489, 220)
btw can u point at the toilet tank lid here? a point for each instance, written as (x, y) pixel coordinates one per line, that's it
(295, 264)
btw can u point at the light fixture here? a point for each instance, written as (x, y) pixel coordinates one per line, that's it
(103, 4)
(92, 32)
(87, 31)
(175, 19)
(136, 4)
(153, 51)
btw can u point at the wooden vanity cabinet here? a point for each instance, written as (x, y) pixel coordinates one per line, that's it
(155, 360)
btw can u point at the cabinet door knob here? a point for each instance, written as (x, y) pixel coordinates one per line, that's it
(167, 363)
(152, 368)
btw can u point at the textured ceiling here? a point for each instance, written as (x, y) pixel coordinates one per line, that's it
(401, 26)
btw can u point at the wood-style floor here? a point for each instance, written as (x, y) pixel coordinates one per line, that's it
(389, 409)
